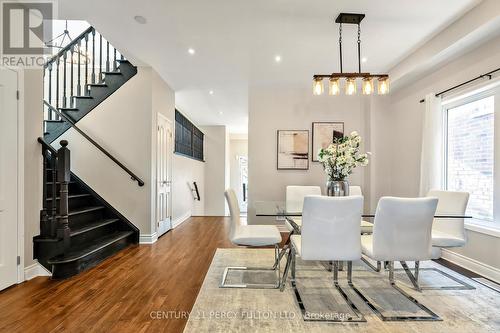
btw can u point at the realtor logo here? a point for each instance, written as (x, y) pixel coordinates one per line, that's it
(24, 26)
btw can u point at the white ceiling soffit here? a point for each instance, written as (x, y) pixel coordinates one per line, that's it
(236, 42)
(476, 27)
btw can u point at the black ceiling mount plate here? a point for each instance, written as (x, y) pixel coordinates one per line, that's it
(349, 18)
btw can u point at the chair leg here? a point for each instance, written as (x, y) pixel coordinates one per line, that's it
(255, 285)
(413, 279)
(283, 250)
(417, 267)
(335, 269)
(369, 264)
(292, 251)
(287, 268)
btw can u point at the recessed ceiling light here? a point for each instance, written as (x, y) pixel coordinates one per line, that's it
(220, 112)
(364, 59)
(191, 51)
(211, 92)
(277, 58)
(140, 19)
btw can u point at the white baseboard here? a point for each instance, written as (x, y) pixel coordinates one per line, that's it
(483, 269)
(181, 219)
(34, 270)
(148, 238)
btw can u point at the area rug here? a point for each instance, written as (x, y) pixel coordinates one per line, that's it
(253, 310)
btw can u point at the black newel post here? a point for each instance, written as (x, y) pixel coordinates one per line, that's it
(63, 177)
(44, 217)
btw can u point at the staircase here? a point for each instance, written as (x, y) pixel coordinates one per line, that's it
(78, 228)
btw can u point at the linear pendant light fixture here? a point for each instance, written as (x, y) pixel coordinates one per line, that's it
(351, 83)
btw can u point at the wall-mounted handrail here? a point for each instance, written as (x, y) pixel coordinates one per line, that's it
(98, 146)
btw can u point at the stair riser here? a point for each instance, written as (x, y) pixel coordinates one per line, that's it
(79, 202)
(72, 188)
(43, 250)
(62, 271)
(79, 220)
(93, 234)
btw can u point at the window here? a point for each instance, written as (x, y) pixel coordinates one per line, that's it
(470, 132)
(188, 138)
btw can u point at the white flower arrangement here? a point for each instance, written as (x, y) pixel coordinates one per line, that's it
(341, 157)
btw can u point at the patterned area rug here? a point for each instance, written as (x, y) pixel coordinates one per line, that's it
(253, 310)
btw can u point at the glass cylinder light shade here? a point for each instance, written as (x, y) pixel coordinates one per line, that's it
(350, 86)
(383, 86)
(367, 86)
(334, 86)
(318, 87)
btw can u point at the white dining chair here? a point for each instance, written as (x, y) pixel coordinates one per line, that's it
(448, 232)
(402, 232)
(253, 236)
(366, 227)
(330, 232)
(294, 201)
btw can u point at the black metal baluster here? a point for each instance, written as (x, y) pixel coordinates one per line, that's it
(49, 111)
(107, 56)
(78, 85)
(93, 56)
(121, 56)
(86, 63)
(64, 79)
(114, 61)
(100, 58)
(57, 86)
(72, 52)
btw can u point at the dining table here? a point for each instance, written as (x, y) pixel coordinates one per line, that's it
(272, 208)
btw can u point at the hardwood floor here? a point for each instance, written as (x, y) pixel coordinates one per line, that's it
(123, 292)
(119, 294)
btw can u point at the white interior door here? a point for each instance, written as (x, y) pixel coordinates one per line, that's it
(164, 168)
(8, 177)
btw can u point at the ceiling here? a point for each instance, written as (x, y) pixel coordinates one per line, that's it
(236, 42)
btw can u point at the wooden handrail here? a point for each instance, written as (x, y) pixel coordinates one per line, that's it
(134, 177)
(47, 145)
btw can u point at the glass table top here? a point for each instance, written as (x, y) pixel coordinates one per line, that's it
(279, 208)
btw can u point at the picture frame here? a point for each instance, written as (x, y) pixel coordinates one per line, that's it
(292, 150)
(323, 134)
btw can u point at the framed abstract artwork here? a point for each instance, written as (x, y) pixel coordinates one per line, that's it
(293, 150)
(323, 134)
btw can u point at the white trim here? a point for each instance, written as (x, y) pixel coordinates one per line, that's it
(178, 221)
(148, 238)
(483, 269)
(493, 231)
(34, 270)
(20, 175)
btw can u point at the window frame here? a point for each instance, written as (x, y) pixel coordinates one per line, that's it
(486, 227)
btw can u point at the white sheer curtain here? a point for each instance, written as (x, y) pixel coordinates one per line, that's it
(431, 160)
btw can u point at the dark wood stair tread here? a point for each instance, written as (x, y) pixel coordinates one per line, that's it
(72, 196)
(88, 249)
(91, 226)
(69, 109)
(113, 73)
(83, 97)
(85, 210)
(58, 183)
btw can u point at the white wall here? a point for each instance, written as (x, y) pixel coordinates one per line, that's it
(32, 94)
(184, 170)
(295, 108)
(215, 169)
(123, 125)
(237, 147)
(406, 126)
